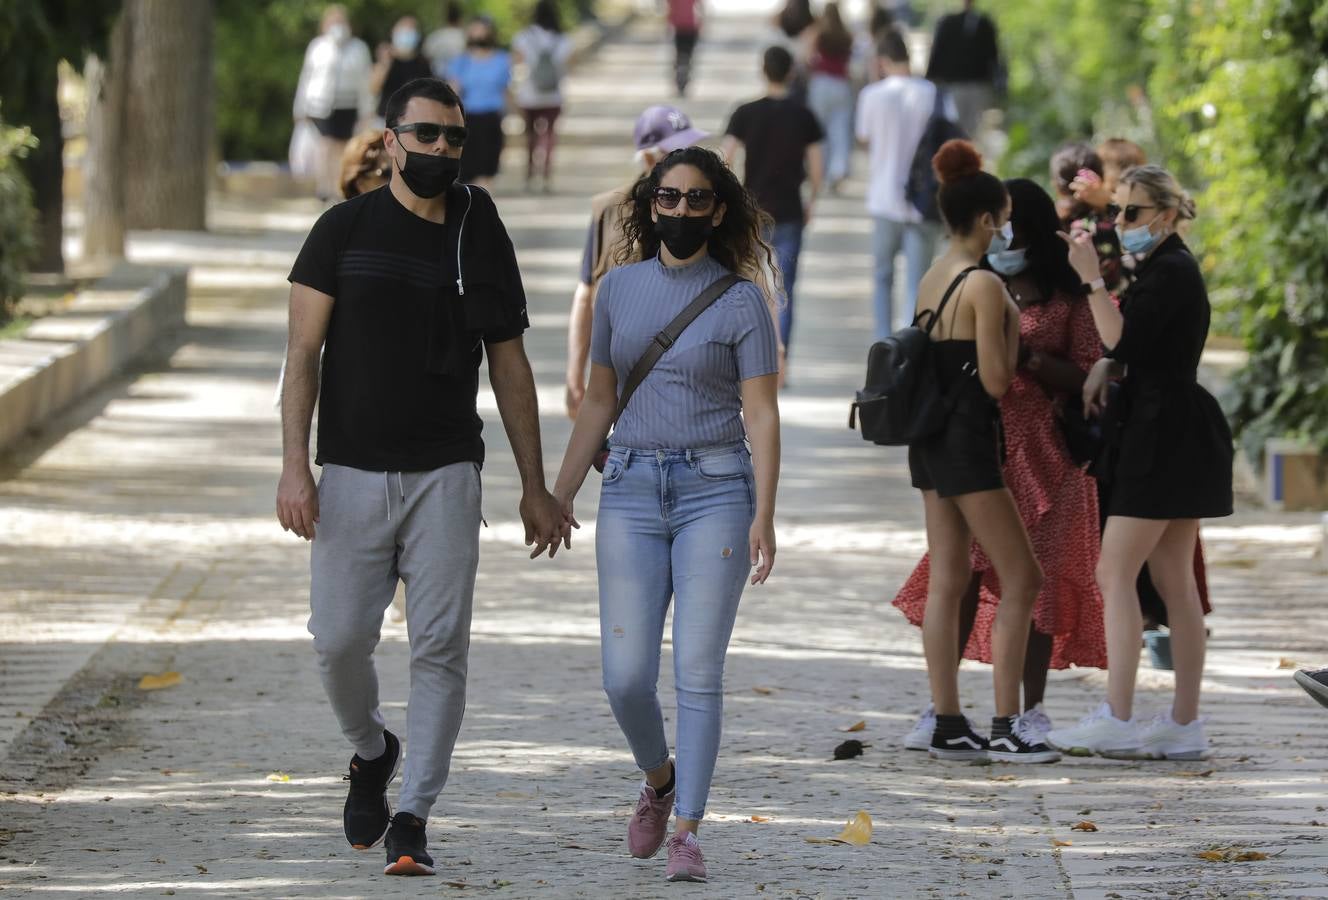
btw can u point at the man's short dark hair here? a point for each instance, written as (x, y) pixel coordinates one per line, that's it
(452, 12)
(892, 46)
(777, 63)
(428, 88)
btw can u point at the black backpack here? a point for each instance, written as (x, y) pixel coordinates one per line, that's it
(922, 185)
(902, 402)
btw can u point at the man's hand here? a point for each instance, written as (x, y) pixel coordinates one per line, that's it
(297, 501)
(546, 526)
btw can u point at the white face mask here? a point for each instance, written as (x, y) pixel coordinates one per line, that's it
(405, 39)
(340, 32)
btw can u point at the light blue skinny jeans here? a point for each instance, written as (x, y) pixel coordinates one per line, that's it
(673, 524)
(918, 241)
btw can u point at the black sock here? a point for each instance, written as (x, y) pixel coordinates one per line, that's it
(667, 787)
(1002, 725)
(951, 726)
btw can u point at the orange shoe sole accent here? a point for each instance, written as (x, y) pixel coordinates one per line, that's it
(407, 866)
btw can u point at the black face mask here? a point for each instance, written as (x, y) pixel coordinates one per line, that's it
(684, 235)
(428, 175)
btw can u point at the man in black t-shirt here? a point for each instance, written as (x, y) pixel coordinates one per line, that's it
(407, 286)
(782, 140)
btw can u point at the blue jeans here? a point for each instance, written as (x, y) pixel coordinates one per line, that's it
(672, 524)
(918, 240)
(786, 239)
(831, 100)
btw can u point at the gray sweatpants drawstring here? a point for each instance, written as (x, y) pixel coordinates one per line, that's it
(387, 492)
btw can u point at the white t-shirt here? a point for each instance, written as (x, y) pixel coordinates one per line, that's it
(892, 115)
(530, 43)
(443, 46)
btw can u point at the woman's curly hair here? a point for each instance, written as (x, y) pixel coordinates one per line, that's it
(737, 243)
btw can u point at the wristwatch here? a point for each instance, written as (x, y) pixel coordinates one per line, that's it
(1090, 287)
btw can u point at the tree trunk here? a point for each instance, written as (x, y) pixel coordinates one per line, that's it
(168, 116)
(44, 167)
(104, 170)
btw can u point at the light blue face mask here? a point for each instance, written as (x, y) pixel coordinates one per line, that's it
(1009, 262)
(1000, 241)
(1138, 240)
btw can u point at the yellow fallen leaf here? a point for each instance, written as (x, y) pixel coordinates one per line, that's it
(816, 840)
(1085, 825)
(1251, 856)
(278, 777)
(856, 726)
(157, 682)
(1059, 843)
(1231, 854)
(1213, 856)
(1287, 663)
(858, 830)
(1188, 774)
(759, 819)
(763, 690)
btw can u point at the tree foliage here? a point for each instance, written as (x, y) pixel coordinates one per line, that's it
(260, 48)
(1232, 95)
(18, 235)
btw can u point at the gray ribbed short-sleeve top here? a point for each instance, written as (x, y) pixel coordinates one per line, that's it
(693, 397)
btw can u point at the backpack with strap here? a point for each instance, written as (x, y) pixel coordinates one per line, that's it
(544, 72)
(902, 402)
(922, 185)
(661, 343)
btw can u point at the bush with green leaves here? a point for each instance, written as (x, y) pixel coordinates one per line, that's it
(260, 48)
(1231, 95)
(18, 220)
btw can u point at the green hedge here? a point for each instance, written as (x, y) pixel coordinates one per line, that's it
(18, 220)
(1232, 95)
(260, 48)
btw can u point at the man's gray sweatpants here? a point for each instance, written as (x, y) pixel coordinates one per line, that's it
(373, 528)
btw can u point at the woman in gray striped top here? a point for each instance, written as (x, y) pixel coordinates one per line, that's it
(686, 509)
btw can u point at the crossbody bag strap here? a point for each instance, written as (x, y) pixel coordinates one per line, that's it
(954, 285)
(666, 338)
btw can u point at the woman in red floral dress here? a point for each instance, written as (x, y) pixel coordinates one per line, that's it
(1056, 499)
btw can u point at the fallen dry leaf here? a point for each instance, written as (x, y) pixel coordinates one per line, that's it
(202, 870)
(1204, 774)
(1231, 854)
(856, 726)
(763, 690)
(1085, 825)
(157, 682)
(857, 832)
(1055, 842)
(1287, 663)
(759, 819)
(514, 795)
(281, 777)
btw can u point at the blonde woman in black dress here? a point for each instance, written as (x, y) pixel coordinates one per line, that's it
(1171, 464)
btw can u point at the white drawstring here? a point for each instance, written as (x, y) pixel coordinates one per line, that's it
(387, 495)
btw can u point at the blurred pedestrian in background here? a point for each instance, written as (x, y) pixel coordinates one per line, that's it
(830, 94)
(892, 115)
(365, 165)
(782, 143)
(1081, 203)
(448, 42)
(481, 75)
(659, 131)
(685, 20)
(546, 52)
(1170, 463)
(333, 93)
(966, 63)
(795, 31)
(398, 62)
(1056, 499)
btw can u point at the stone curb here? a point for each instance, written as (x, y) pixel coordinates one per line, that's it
(62, 358)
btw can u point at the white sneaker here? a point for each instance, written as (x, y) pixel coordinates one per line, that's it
(1099, 732)
(1036, 723)
(1163, 738)
(920, 737)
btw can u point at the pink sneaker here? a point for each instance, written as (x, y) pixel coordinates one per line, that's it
(650, 823)
(685, 861)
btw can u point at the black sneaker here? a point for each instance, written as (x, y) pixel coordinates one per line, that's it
(405, 847)
(955, 739)
(1013, 742)
(1315, 684)
(366, 814)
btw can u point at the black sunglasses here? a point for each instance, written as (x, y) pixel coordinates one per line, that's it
(428, 133)
(698, 199)
(1131, 211)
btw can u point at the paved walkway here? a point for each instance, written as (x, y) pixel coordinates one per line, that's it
(143, 541)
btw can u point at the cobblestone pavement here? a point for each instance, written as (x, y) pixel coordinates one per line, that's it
(140, 539)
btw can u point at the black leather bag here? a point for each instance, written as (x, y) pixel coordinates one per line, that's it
(902, 402)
